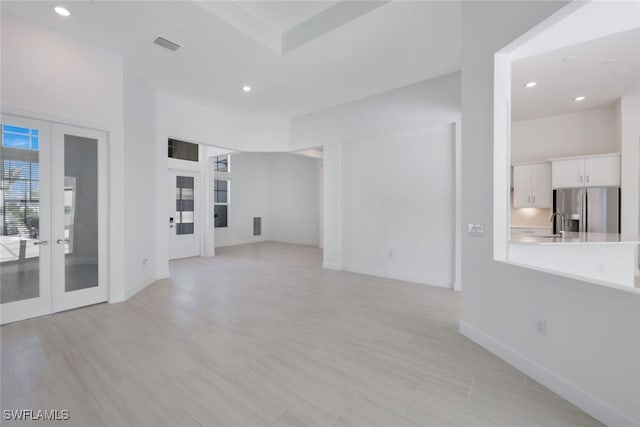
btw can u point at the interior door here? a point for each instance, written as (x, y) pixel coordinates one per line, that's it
(25, 210)
(79, 217)
(184, 220)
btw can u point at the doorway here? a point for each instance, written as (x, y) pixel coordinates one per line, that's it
(53, 218)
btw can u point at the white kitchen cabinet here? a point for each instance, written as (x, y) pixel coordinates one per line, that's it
(532, 186)
(602, 171)
(590, 171)
(541, 192)
(567, 173)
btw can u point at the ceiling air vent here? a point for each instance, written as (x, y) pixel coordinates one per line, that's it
(167, 44)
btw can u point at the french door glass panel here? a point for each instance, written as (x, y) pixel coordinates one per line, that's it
(25, 220)
(80, 213)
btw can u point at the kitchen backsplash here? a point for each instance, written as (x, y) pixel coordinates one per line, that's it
(530, 217)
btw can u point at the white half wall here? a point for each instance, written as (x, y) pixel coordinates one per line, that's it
(398, 202)
(591, 351)
(582, 133)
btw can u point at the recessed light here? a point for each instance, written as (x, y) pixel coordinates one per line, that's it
(622, 71)
(62, 11)
(580, 98)
(530, 84)
(246, 88)
(568, 58)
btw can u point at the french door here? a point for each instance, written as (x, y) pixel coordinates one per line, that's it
(53, 218)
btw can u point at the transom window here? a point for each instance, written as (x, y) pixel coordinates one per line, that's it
(221, 163)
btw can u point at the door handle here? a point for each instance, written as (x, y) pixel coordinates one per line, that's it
(587, 179)
(534, 199)
(61, 241)
(41, 242)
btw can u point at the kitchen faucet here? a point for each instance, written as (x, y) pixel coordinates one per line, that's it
(562, 219)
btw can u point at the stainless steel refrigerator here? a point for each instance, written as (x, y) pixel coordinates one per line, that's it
(592, 209)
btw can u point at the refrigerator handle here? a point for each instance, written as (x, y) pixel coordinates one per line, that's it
(585, 213)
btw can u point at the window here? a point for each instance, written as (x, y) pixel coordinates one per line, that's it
(221, 202)
(20, 172)
(183, 150)
(184, 204)
(221, 163)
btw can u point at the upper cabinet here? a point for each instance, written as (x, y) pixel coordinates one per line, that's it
(532, 185)
(592, 171)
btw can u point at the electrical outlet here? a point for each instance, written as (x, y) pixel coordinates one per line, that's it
(475, 229)
(144, 261)
(602, 268)
(390, 255)
(541, 327)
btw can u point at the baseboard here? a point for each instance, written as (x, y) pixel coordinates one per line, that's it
(574, 394)
(371, 271)
(331, 266)
(138, 288)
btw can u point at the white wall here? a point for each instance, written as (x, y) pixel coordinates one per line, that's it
(417, 106)
(139, 173)
(591, 351)
(281, 188)
(53, 77)
(399, 206)
(222, 127)
(581, 133)
(248, 198)
(293, 199)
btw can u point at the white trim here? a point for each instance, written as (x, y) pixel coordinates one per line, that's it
(587, 156)
(586, 279)
(142, 285)
(574, 394)
(457, 226)
(415, 278)
(331, 266)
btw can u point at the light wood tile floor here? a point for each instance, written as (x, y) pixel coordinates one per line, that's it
(261, 335)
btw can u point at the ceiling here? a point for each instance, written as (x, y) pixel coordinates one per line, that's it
(375, 47)
(284, 15)
(602, 70)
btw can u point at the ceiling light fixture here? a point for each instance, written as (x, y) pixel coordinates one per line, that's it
(246, 88)
(580, 98)
(62, 11)
(530, 84)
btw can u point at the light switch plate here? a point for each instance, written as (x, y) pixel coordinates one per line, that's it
(475, 229)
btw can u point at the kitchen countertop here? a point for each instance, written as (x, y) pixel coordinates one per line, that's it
(573, 238)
